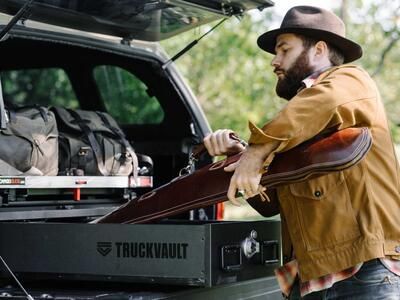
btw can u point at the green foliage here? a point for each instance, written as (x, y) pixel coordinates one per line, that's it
(124, 95)
(38, 86)
(231, 77)
(126, 98)
(377, 28)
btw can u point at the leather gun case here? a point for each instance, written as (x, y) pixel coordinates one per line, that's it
(325, 153)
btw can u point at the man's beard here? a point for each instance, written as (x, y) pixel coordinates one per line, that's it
(288, 86)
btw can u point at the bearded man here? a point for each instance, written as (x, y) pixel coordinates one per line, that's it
(340, 231)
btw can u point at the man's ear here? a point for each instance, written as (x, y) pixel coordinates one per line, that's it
(321, 50)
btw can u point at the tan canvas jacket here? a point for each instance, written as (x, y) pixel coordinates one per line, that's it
(338, 220)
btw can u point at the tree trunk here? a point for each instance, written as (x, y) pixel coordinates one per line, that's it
(343, 11)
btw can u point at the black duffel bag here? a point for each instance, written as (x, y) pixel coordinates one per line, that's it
(92, 143)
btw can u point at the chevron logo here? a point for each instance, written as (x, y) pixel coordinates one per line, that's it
(104, 248)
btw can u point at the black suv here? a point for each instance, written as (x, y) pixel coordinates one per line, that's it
(103, 55)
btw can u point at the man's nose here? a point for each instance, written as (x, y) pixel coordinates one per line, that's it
(275, 62)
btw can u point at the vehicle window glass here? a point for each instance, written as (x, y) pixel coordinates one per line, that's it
(47, 87)
(126, 98)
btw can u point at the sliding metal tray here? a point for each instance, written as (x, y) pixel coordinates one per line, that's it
(40, 182)
(55, 197)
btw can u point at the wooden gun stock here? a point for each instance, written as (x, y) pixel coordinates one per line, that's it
(208, 185)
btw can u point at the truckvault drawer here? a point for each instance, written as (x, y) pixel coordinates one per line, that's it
(196, 254)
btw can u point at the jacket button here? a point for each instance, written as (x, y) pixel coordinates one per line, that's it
(317, 194)
(397, 249)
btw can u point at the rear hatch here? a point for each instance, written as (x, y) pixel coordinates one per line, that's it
(151, 20)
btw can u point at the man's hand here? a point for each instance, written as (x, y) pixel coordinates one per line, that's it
(248, 171)
(221, 143)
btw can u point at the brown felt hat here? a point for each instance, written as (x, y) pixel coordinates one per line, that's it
(316, 23)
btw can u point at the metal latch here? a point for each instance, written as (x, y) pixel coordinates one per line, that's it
(269, 252)
(83, 151)
(231, 258)
(250, 246)
(190, 166)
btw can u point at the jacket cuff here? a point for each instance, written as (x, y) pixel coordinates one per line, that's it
(258, 136)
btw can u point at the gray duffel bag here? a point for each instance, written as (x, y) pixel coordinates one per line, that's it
(28, 142)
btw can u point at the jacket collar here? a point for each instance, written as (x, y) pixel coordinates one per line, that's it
(310, 80)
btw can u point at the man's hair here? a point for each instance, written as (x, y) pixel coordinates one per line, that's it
(335, 56)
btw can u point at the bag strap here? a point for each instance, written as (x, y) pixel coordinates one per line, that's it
(117, 131)
(92, 140)
(146, 164)
(12, 112)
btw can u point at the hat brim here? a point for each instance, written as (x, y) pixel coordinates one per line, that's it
(350, 50)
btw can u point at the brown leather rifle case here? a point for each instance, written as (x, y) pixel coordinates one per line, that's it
(209, 185)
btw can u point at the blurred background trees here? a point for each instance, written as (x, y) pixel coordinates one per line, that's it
(233, 79)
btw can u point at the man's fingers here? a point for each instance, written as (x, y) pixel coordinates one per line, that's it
(215, 143)
(208, 144)
(232, 194)
(221, 143)
(225, 143)
(232, 167)
(250, 185)
(254, 186)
